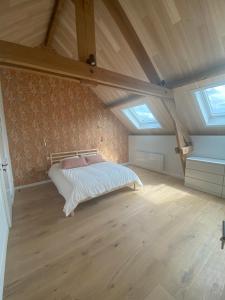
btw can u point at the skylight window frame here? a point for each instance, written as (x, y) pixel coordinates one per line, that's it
(209, 102)
(210, 118)
(134, 120)
(135, 114)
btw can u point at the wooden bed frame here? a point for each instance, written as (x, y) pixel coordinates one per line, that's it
(56, 157)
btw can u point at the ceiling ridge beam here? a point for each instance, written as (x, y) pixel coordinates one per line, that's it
(40, 59)
(121, 19)
(57, 8)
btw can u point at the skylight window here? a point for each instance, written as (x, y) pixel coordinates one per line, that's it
(211, 101)
(216, 100)
(141, 117)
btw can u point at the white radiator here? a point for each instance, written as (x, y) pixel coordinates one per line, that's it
(148, 160)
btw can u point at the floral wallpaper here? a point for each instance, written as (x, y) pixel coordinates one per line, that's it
(45, 114)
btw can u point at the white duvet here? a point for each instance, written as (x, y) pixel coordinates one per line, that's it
(80, 184)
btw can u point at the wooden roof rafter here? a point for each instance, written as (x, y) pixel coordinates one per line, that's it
(57, 7)
(118, 14)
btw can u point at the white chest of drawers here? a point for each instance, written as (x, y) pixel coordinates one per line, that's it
(206, 174)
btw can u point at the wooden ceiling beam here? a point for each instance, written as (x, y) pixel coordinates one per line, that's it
(85, 26)
(125, 100)
(215, 70)
(126, 28)
(57, 8)
(40, 59)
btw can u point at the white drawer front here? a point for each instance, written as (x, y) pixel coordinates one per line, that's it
(209, 177)
(204, 186)
(205, 167)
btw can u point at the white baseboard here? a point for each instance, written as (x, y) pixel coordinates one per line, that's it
(173, 175)
(162, 172)
(19, 187)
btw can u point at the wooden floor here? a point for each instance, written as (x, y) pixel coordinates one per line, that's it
(159, 243)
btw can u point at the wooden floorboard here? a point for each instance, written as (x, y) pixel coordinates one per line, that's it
(157, 243)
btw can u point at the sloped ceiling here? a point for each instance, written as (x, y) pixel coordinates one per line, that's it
(189, 110)
(24, 22)
(180, 36)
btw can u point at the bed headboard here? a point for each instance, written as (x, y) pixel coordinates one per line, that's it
(58, 156)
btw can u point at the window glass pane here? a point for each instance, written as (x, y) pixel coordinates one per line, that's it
(141, 117)
(216, 99)
(143, 114)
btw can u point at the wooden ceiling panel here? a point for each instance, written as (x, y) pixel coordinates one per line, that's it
(113, 52)
(32, 40)
(182, 37)
(110, 40)
(24, 21)
(109, 95)
(64, 40)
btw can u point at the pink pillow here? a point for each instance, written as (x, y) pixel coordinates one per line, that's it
(94, 159)
(73, 162)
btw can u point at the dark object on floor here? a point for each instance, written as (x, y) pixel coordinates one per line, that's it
(223, 236)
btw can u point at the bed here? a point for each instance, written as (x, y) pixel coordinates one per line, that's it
(84, 183)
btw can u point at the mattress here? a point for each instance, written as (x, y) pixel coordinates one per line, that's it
(81, 184)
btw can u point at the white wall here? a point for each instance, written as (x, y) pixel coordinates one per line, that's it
(8, 176)
(4, 231)
(6, 194)
(207, 146)
(162, 144)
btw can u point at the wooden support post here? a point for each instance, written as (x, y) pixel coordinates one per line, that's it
(85, 26)
(184, 145)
